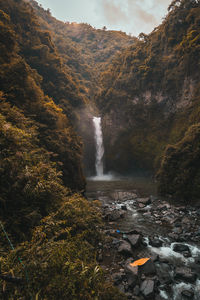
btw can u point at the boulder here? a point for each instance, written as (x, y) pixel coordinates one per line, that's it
(164, 273)
(181, 248)
(187, 294)
(173, 236)
(134, 240)
(123, 207)
(148, 268)
(123, 196)
(186, 254)
(147, 288)
(155, 242)
(144, 201)
(136, 290)
(132, 274)
(132, 231)
(163, 206)
(185, 274)
(114, 215)
(125, 249)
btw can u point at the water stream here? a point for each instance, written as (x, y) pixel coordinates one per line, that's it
(151, 221)
(99, 146)
(119, 192)
(100, 175)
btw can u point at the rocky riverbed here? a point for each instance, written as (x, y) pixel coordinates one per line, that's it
(147, 227)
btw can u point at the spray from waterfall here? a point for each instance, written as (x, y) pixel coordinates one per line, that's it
(99, 153)
(99, 146)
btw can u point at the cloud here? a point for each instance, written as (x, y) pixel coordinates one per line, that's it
(132, 15)
(140, 12)
(113, 12)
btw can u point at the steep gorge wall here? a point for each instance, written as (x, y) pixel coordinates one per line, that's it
(151, 92)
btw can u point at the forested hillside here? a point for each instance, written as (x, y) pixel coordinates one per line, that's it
(84, 49)
(151, 91)
(85, 52)
(52, 76)
(41, 169)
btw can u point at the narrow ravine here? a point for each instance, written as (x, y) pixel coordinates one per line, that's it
(138, 224)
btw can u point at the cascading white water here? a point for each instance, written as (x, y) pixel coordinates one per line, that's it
(99, 146)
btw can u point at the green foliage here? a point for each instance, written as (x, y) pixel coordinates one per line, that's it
(30, 183)
(33, 79)
(40, 157)
(60, 258)
(151, 90)
(180, 168)
(85, 51)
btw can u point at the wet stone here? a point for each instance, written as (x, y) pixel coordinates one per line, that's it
(182, 239)
(144, 201)
(123, 196)
(154, 257)
(136, 290)
(125, 249)
(177, 230)
(163, 206)
(173, 236)
(148, 268)
(134, 240)
(163, 273)
(186, 254)
(181, 248)
(158, 222)
(123, 207)
(185, 274)
(132, 275)
(187, 294)
(147, 288)
(155, 242)
(114, 215)
(197, 260)
(132, 231)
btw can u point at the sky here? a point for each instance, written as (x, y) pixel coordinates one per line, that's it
(130, 16)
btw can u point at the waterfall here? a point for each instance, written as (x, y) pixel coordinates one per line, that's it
(99, 146)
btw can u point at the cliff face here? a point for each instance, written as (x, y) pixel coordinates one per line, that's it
(151, 91)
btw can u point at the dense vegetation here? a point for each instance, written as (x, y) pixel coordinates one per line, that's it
(151, 91)
(53, 228)
(30, 68)
(149, 96)
(60, 259)
(180, 170)
(85, 52)
(84, 49)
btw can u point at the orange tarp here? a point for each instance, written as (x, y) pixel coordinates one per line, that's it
(139, 262)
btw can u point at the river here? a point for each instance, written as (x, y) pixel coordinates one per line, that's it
(124, 208)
